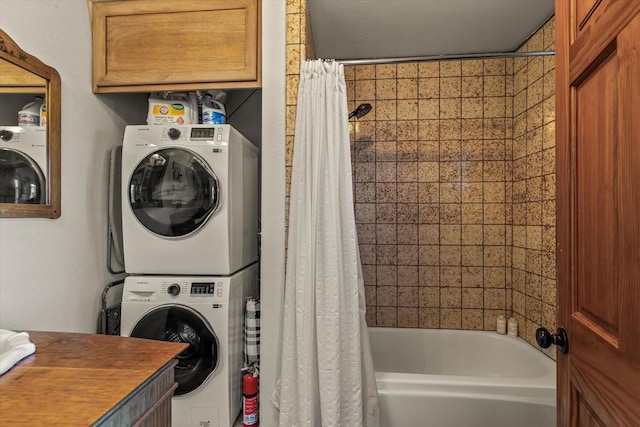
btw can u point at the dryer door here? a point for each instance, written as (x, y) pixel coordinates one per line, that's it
(21, 179)
(173, 192)
(175, 323)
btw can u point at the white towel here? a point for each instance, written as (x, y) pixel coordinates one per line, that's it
(14, 346)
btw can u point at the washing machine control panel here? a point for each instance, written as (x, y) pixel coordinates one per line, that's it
(173, 289)
(203, 288)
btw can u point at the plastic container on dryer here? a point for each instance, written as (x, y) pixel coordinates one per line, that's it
(30, 113)
(43, 114)
(213, 111)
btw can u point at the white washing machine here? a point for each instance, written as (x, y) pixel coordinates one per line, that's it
(23, 164)
(207, 313)
(189, 200)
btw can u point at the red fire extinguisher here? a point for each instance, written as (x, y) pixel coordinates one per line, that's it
(250, 400)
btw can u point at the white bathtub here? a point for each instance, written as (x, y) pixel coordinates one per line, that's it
(451, 378)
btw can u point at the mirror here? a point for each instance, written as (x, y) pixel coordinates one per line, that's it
(29, 148)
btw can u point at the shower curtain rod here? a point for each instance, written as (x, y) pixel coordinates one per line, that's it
(374, 61)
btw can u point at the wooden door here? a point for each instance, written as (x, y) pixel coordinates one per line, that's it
(598, 190)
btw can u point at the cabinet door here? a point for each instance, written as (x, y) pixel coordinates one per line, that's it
(149, 45)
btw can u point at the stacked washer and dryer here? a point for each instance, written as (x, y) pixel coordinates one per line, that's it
(189, 227)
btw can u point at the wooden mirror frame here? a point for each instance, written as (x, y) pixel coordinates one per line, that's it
(11, 52)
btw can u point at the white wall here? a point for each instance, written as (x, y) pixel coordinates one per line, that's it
(52, 272)
(273, 202)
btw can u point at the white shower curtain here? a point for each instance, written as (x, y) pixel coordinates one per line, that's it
(327, 377)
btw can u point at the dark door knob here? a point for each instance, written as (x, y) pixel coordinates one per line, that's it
(544, 338)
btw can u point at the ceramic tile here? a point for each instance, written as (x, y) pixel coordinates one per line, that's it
(450, 128)
(384, 213)
(407, 254)
(450, 87)
(429, 297)
(371, 317)
(494, 277)
(409, 70)
(386, 89)
(472, 213)
(450, 276)
(407, 192)
(450, 255)
(370, 295)
(494, 67)
(494, 85)
(429, 213)
(472, 320)
(407, 109)
(473, 67)
(471, 128)
(386, 275)
(428, 234)
(368, 254)
(386, 71)
(494, 235)
(407, 171)
(387, 316)
(450, 108)
(407, 213)
(365, 89)
(429, 276)
(471, 87)
(364, 72)
(429, 317)
(490, 318)
(293, 60)
(429, 88)
(494, 192)
(386, 110)
(429, 254)
(349, 72)
(450, 318)
(429, 69)
(495, 128)
(472, 149)
(450, 214)
(386, 193)
(365, 212)
(369, 273)
(495, 106)
(407, 275)
(407, 130)
(449, 171)
(428, 172)
(407, 234)
(429, 130)
(472, 235)
(386, 172)
(450, 68)
(407, 151)
(386, 234)
(450, 298)
(472, 108)
(450, 150)
(386, 254)
(472, 257)
(408, 296)
(472, 297)
(494, 256)
(385, 151)
(366, 234)
(428, 192)
(387, 296)
(428, 108)
(450, 192)
(407, 317)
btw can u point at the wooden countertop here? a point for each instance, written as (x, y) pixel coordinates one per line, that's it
(76, 379)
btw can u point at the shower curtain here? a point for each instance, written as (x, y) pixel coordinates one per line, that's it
(327, 377)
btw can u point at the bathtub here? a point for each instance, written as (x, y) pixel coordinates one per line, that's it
(452, 378)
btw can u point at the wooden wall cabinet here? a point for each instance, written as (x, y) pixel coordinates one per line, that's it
(156, 45)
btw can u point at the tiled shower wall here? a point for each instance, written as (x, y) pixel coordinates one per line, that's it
(534, 187)
(432, 178)
(454, 185)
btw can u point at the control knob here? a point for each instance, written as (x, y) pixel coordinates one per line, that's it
(173, 289)
(173, 133)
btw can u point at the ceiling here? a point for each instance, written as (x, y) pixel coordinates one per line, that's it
(369, 29)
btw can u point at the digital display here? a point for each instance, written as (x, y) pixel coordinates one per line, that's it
(202, 288)
(203, 133)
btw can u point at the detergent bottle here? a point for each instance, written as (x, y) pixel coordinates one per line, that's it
(30, 113)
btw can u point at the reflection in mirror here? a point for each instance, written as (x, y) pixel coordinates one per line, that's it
(29, 134)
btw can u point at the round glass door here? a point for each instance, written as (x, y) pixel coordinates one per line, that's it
(183, 325)
(173, 192)
(21, 179)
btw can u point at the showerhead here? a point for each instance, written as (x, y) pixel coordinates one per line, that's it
(361, 111)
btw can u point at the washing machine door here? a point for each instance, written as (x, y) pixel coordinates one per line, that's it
(175, 323)
(21, 179)
(173, 192)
